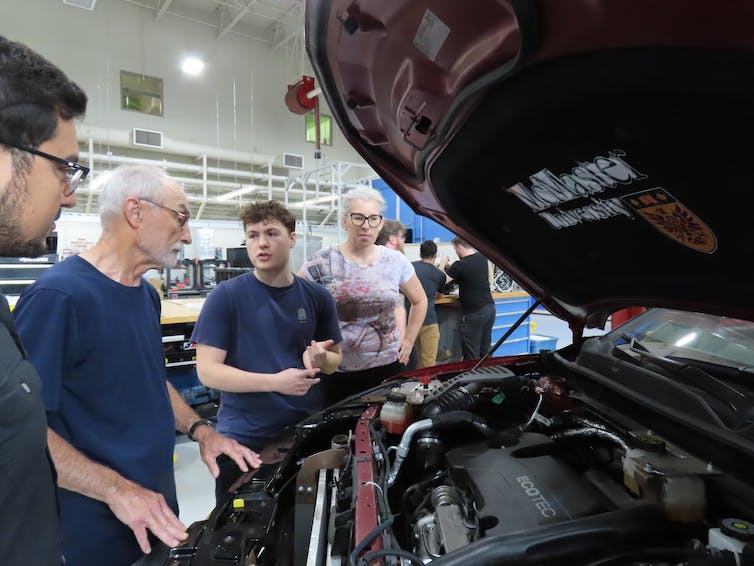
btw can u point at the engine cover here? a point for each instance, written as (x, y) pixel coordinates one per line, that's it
(522, 487)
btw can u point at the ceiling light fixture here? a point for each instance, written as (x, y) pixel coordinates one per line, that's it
(99, 180)
(314, 202)
(192, 66)
(244, 189)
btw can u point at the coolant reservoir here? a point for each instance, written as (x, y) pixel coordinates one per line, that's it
(683, 498)
(732, 535)
(396, 413)
(416, 392)
(670, 478)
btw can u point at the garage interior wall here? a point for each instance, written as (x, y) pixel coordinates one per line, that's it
(236, 103)
(78, 232)
(233, 114)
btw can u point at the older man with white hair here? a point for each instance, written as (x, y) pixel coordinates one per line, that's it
(92, 327)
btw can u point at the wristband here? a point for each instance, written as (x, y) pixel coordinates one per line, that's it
(196, 425)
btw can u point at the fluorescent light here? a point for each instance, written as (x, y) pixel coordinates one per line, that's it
(243, 190)
(86, 4)
(99, 181)
(192, 66)
(323, 199)
(315, 201)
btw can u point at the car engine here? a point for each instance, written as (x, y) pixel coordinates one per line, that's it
(490, 465)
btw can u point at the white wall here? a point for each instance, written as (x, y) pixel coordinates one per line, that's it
(443, 249)
(78, 232)
(237, 103)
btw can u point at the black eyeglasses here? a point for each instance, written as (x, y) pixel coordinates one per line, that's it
(74, 174)
(359, 219)
(181, 217)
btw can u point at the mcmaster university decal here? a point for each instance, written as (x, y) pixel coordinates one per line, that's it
(549, 193)
(659, 208)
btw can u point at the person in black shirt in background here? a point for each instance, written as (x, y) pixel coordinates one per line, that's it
(477, 307)
(433, 281)
(38, 174)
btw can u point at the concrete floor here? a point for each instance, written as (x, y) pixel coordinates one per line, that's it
(194, 484)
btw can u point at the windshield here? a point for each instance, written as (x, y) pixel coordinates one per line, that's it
(695, 336)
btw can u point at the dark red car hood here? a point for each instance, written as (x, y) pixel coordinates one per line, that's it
(598, 151)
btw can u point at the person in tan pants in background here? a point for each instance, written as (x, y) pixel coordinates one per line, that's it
(433, 281)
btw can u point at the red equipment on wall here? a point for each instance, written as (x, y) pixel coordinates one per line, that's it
(621, 316)
(302, 98)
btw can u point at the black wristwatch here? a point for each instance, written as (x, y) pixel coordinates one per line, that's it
(196, 425)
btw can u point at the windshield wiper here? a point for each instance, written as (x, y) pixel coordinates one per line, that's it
(697, 377)
(633, 343)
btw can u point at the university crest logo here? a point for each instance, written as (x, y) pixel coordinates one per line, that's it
(672, 218)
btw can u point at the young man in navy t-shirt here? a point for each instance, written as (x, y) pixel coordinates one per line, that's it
(262, 338)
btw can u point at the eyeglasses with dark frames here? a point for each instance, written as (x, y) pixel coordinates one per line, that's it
(359, 219)
(181, 217)
(74, 174)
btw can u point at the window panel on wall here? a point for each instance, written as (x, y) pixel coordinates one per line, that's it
(325, 129)
(141, 93)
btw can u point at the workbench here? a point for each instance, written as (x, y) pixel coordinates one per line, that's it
(179, 311)
(177, 323)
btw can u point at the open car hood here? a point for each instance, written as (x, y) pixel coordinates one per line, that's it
(595, 150)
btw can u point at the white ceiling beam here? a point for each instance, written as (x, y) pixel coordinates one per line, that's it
(201, 210)
(197, 17)
(162, 9)
(293, 9)
(292, 35)
(235, 4)
(237, 18)
(292, 17)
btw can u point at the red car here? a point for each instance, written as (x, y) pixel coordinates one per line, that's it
(597, 151)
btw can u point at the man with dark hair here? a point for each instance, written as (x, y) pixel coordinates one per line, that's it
(262, 338)
(471, 272)
(392, 235)
(38, 104)
(433, 282)
(38, 174)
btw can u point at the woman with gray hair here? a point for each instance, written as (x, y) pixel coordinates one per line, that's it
(365, 279)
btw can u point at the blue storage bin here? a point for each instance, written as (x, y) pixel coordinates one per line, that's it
(185, 381)
(539, 342)
(182, 377)
(199, 394)
(515, 347)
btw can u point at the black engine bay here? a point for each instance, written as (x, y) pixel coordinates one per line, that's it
(534, 462)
